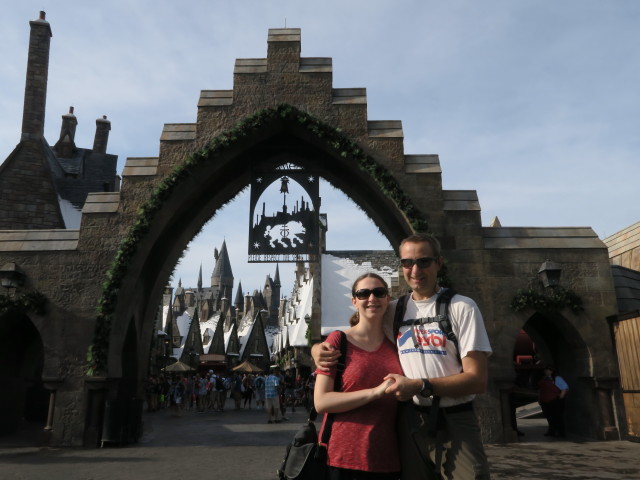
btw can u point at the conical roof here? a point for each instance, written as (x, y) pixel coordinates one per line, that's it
(222, 273)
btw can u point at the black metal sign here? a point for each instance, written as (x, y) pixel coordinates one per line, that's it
(283, 226)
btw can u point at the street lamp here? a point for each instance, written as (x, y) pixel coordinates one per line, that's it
(549, 273)
(11, 276)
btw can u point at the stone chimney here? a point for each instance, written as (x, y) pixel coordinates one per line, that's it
(283, 50)
(102, 135)
(35, 93)
(248, 301)
(190, 298)
(65, 146)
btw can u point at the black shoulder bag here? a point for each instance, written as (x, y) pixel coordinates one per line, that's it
(305, 457)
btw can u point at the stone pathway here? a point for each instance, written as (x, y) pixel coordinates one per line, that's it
(241, 445)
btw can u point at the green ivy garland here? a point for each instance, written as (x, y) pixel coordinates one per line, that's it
(347, 149)
(29, 302)
(548, 301)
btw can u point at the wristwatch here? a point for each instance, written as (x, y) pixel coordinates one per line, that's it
(427, 388)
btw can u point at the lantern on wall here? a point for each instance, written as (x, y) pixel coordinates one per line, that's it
(549, 273)
(11, 275)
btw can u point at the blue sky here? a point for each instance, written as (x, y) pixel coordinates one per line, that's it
(533, 103)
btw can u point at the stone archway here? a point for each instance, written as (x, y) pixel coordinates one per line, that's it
(559, 343)
(183, 203)
(24, 402)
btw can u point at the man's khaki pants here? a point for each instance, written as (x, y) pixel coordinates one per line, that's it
(460, 444)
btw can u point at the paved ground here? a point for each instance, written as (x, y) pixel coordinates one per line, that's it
(240, 445)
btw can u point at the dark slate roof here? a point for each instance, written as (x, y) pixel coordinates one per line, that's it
(83, 173)
(239, 296)
(627, 285)
(223, 265)
(276, 280)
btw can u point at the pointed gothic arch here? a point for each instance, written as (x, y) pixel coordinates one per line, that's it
(24, 399)
(183, 203)
(558, 342)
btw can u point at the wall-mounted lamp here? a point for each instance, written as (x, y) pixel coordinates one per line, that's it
(549, 273)
(11, 275)
(307, 319)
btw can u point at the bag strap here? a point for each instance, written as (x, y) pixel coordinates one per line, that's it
(337, 386)
(444, 320)
(401, 307)
(442, 311)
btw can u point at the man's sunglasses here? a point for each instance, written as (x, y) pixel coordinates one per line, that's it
(424, 262)
(364, 293)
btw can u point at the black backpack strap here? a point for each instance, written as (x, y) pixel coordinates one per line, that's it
(337, 386)
(401, 307)
(444, 320)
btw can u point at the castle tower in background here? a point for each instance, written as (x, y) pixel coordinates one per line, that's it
(222, 276)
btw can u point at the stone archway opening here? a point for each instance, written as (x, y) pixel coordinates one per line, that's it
(24, 402)
(209, 179)
(549, 339)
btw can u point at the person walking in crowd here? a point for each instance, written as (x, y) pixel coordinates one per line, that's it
(219, 393)
(289, 389)
(552, 392)
(247, 394)
(189, 393)
(211, 391)
(272, 396)
(151, 390)
(258, 388)
(201, 386)
(363, 442)
(439, 432)
(178, 394)
(237, 390)
(163, 391)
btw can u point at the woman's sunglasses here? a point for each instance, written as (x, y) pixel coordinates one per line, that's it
(364, 293)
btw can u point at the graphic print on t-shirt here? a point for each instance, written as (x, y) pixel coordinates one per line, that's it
(425, 338)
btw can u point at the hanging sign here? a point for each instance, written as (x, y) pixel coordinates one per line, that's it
(283, 226)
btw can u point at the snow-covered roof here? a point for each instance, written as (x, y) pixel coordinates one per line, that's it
(70, 214)
(165, 315)
(209, 327)
(271, 333)
(246, 333)
(183, 322)
(338, 275)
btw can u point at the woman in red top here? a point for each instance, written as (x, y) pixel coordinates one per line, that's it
(363, 442)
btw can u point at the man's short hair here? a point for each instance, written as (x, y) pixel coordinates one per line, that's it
(424, 237)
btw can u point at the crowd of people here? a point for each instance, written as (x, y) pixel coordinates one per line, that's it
(210, 391)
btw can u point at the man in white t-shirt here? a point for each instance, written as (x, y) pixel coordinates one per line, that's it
(446, 437)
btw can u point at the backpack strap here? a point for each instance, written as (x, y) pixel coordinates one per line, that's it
(340, 367)
(401, 307)
(444, 320)
(442, 311)
(337, 386)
